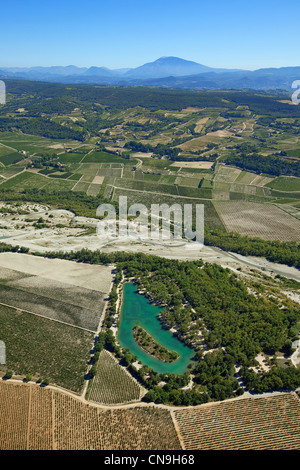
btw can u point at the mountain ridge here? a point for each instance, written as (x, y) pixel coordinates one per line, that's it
(166, 71)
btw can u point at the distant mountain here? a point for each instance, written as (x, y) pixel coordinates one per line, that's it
(263, 79)
(169, 66)
(166, 67)
(99, 72)
(69, 70)
(105, 72)
(164, 72)
(160, 68)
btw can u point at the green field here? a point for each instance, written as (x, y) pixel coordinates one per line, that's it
(211, 217)
(25, 180)
(103, 157)
(11, 158)
(284, 183)
(44, 348)
(71, 157)
(112, 384)
(294, 153)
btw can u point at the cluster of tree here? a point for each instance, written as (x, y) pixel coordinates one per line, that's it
(292, 126)
(112, 307)
(235, 114)
(94, 123)
(151, 346)
(40, 126)
(9, 374)
(48, 161)
(275, 379)
(151, 98)
(176, 397)
(40, 223)
(170, 150)
(154, 99)
(219, 366)
(4, 248)
(99, 345)
(236, 323)
(225, 307)
(76, 202)
(55, 105)
(275, 251)
(263, 104)
(162, 122)
(272, 164)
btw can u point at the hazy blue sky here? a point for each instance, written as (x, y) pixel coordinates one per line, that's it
(128, 33)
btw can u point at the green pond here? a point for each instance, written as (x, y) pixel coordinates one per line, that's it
(138, 310)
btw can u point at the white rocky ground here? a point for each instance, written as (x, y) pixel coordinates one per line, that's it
(65, 232)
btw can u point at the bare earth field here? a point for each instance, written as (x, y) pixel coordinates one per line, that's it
(265, 221)
(93, 277)
(98, 180)
(200, 124)
(60, 290)
(201, 165)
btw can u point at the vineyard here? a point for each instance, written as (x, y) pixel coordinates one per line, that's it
(49, 311)
(44, 348)
(112, 384)
(40, 429)
(265, 221)
(26, 418)
(38, 418)
(212, 218)
(261, 423)
(84, 427)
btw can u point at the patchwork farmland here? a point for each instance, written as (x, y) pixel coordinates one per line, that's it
(153, 146)
(148, 180)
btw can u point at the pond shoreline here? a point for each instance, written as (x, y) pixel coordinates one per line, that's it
(136, 308)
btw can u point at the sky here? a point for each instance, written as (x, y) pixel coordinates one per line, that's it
(128, 33)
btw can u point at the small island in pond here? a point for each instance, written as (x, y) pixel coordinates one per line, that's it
(146, 342)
